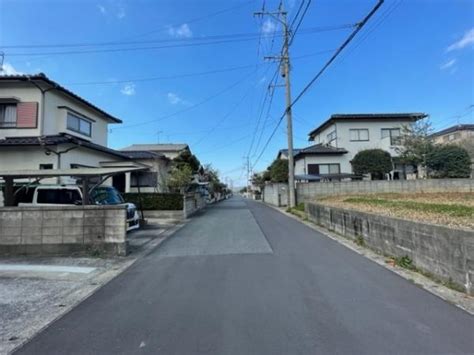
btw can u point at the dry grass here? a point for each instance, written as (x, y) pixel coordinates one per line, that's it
(448, 209)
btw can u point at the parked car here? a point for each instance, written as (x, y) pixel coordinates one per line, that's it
(64, 195)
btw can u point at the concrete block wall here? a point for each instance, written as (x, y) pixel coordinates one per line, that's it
(446, 253)
(276, 194)
(192, 204)
(311, 191)
(63, 230)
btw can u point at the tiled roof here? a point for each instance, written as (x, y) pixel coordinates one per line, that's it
(285, 151)
(156, 147)
(317, 149)
(141, 154)
(411, 117)
(320, 149)
(56, 140)
(458, 127)
(42, 77)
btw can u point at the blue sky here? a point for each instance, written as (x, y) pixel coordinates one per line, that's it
(416, 55)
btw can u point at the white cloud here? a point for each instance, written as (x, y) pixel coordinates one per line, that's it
(121, 12)
(174, 99)
(268, 26)
(8, 69)
(182, 31)
(448, 64)
(466, 40)
(128, 89)
(102, 9)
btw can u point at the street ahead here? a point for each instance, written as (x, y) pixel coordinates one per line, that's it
(242, 278)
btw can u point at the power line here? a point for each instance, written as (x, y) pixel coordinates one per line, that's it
(338, 51)
(299, 23)
(185, 75)
(202, 41)
(165, 77)
(200, 18)
(189, 108)
(312, 81)
(222, 120)
(262, 107)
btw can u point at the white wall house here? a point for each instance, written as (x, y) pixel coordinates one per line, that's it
(45, 126)
(342, 136)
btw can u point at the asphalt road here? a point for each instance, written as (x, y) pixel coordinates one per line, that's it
(242, 278)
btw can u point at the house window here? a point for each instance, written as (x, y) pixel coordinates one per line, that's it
(143, 179)
(79, 124)
(331, 136)
(7, 115)
(321, 169)
(46, 166)
(393, 133)
(359, 135)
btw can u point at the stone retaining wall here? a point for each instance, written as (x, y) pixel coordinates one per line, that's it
(310, 191)
(444, 252)
(63, 230)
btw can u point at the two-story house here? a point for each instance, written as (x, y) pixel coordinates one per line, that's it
(41, 120)
(338, 139)
(45, 126)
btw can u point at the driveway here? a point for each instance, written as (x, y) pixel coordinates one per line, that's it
(241, 278)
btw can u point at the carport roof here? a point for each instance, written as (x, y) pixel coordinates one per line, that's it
(67, 172)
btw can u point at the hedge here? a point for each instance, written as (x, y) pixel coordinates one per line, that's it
(156, 201)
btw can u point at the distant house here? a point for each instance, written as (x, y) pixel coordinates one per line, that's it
(169, 150)
(156, 156)
(461, 134)
(454, 134)
(339, 138)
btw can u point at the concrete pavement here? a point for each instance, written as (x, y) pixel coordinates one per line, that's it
(242, 278)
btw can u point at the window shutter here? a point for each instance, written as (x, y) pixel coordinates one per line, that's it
(27, 114)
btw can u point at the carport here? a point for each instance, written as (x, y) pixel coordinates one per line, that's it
(86, 175)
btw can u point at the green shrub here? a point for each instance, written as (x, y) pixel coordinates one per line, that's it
(372, 161)
(156, 201)
(279, 170)
(449, 161)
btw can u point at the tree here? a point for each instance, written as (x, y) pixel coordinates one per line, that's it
(468, 144)
(185, 157)
(278, 170)
(376, 162)
(416, 143)
(449, 161)
(259, 179)
(180, 177)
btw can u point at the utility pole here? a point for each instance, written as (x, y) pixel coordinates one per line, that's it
(281, 17)
(248, 176)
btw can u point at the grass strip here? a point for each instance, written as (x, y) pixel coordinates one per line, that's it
(445, 209)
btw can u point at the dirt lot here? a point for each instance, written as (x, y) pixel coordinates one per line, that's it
(448, 209)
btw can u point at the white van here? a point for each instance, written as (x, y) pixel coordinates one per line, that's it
(66, 195)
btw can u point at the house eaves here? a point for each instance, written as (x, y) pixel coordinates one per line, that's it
(54, 85)
(367, 117)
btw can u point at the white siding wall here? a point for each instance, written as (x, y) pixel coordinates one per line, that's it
(56, 118)
(343, 140)
(302, 163)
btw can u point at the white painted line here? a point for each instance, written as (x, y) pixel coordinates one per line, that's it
(46, 268)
